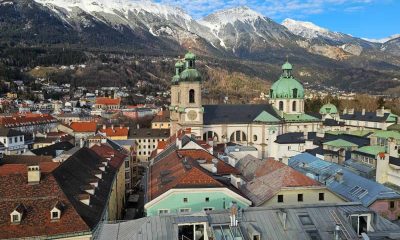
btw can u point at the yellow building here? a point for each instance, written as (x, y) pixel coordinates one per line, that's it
(161, 121)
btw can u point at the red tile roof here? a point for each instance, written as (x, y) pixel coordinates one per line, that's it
(223, 168)
(173, 171)
(26, 119)
(108, 101)
(271, 177)
(83, 126)
(105, 151)
(38, 200)
(115, 131)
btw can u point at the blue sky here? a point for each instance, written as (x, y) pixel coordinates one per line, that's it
(361, 18)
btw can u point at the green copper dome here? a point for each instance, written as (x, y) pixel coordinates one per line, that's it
(179, 64)
(190, 56)
(190, 75)
(287, 66)
(287, 86)
(328, 109)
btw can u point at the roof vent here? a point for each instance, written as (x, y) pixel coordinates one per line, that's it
(33, 174)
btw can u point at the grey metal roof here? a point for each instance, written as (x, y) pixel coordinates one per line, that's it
(235, 113)
(353, 187)
(368, 116)
(266, 220)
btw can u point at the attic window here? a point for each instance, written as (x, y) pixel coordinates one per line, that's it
(55, 215)
(15, 218)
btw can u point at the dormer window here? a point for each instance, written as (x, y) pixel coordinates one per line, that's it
(55, 215)
(15, 218)
(16, 215)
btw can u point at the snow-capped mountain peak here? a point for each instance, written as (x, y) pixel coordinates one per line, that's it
(231, 15)
(307, 29)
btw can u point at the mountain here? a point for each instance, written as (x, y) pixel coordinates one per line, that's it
(392, 46)
(382, 40)
(238, 39)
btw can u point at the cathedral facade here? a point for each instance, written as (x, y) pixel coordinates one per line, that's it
(255, 125)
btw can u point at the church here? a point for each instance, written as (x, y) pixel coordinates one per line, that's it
(255, 125)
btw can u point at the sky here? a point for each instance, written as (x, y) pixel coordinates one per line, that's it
(372, 19)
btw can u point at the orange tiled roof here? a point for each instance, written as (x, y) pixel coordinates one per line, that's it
(172, 171)
(115, 131)
(105, 151)
(108, 101)
(222, 167)
(26, 119)
(83, 126)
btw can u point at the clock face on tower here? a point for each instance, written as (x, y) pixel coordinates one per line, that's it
(192, 115)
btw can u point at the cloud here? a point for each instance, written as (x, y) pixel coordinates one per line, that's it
(270, 8)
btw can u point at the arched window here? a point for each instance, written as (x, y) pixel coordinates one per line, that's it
(295, 93)
(191, 96)
(271, 92)
(210, 135)
(238, 136)
(255, 138)
(294, 106)
(280, 105)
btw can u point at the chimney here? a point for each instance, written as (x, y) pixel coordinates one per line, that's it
(33, 174)
(104, 126)
(345, 111)
(283, 217)
(391, 148)
(339, 177)
(112, 126)
(342, 156)
(363, 112)
(351, 111)
(233, 215)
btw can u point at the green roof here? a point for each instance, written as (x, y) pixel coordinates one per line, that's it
(372, 150)
(392, 118)
(265, 117)
(328, 109)
(179, 64)
(190, 74)
(360, 133)
(190, 56)
(302, 117)
(340, 143)
(287, 66)
(387, 134)
(175, 79)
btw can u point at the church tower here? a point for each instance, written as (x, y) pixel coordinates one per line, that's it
(186, 107)
(287, 94)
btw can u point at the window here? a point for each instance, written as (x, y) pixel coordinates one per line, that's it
(191, 96)
(15, 218)
(55, 215)
(127, 164)
(207, 199)
(184, 210)
(321, 196)
(185, 200)
(280, 105)
(313, 234)
(20, 139)
(391, 204)
(280, 198)
(295, 93)
(294, 106)
(206, 209)
(163, 211)
(305, 219)
(360, 223)
(254, 138)
(16, 139)
(300, 197)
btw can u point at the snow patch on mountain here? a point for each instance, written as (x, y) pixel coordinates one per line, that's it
(382, 40)
(309, 30)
